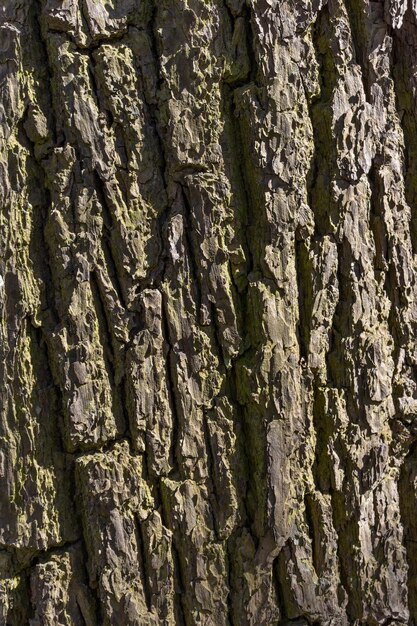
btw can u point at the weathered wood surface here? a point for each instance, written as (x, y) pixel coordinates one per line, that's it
(208, 282)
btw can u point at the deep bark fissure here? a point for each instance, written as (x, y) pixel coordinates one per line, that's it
(356, 13)
(407, 484)
(181, 586)
(143, 565)
(108, 243)
(172, 391)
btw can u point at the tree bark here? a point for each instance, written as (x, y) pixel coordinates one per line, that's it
(208, 283)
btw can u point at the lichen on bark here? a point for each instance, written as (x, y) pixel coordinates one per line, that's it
(208, 312)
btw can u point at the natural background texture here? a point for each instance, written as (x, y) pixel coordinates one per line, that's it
(208, 276)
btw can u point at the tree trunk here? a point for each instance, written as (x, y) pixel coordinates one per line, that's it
(209, 312)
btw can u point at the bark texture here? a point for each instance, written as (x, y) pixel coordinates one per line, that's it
(208, 278)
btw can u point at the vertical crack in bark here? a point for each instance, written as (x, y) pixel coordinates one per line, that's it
(347, 531)
(278, 575)
(144, 565)
(158, 125)
(403, 59)
(180, 587)
(315, 537)
(356, 11)
(408, 503)
(107, 242)
(230, 618)
(304, 275)
(192, 251)
(173, 394)
(93, 590)
(242, 189)
(213, 496)
(109, 358)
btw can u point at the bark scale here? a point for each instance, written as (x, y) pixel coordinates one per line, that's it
(209, 312)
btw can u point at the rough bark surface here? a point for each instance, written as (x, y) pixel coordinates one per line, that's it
(208, 277)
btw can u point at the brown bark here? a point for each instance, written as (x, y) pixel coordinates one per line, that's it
(209, 306)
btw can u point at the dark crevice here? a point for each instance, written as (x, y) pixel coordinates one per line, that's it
(29, 559)
(356, 11)
(255, 498)
(407, 488)
(377, 221)
(106, 338)
(192, 253)
(143, 565)
(324, 428)
(403, 67)
(239, 174)
(288, 605)
(217, 336)
(84, 16)
(80, 613)
(27, 606)
(22, 610)
(383, 266)
(46, 66)
(50, 315)
(313, 534)
(244, 78)
(106, 335)
(250, 431)
(347, 530)
(65, 547)
(277, 571)
(93, 82)
(211, 463)
(323, 163)
(93, 590)
(172, 391)
(153, 103)
(112, 270)
(402, 71)
(180, 610)
(304, 272)
(337, 372)
(153, 39)
(243, 446)
(230, 613)
(254, 74)
(108, 242)
(239, 178)
(318, 180)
